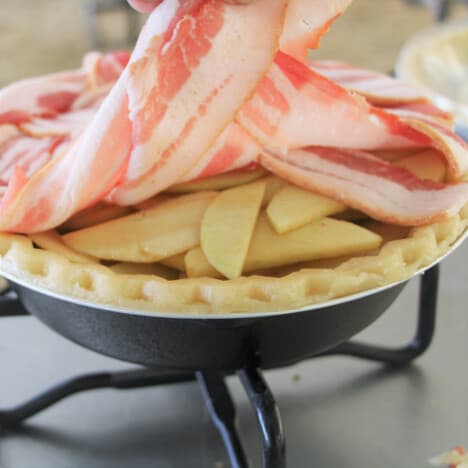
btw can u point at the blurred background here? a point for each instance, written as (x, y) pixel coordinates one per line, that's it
(40, 36)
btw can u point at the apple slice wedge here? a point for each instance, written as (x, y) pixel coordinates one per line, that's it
(326, 238)
(219, 182)
(51, 241)
(228, 225)
(293, 207)
(273, 185)
(154, 269)
(197, 265)
(428, 164)
(172, 227)
(97, 214)
(176, 262)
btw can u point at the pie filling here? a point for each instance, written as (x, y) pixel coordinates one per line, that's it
(245, 241)
(216, 170)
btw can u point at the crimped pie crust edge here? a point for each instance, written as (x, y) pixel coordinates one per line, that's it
(396, 261)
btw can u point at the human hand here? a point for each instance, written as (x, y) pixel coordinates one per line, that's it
(146, 6)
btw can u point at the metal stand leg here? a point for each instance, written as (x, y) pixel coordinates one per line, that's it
(214, 389)
(425, 330)
(223, 413)
(118, 380)
(10, 306)
(268, 417)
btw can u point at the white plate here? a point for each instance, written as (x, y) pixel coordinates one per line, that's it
(436, 60)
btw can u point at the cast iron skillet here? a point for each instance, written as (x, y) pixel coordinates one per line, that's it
(193, 343)
(226, 342)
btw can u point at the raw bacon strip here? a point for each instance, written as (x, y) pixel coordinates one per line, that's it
(378, 88)
(20, 158)
(79, 176)
(44, 96)
(234, 149)
(454, 148)
(9, 139)
(53, 94)
(425, 111)
(385, 192)
(25, 150)
(306, 22)
(186, 85)
(70, 124)
(17, 182)
(171, 115)
(295, 107)
(22, 151)
(174, 62)
(382, 90)
(92, 98)
(101, 69)
(7, 133)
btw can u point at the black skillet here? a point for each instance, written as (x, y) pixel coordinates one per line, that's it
(193, 343)
(224, 342)
(190, 342)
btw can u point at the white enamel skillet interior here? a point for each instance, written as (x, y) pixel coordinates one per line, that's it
(254, 315)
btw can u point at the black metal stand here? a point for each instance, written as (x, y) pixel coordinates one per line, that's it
(268, 417)
(223, 413)
(427, 309)
(215, 390)
(119, 380)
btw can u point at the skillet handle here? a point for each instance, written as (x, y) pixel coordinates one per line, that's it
(10, 304)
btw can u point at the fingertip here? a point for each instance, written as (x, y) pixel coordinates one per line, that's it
(144, 6)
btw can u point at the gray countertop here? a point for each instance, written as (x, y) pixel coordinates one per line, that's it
(337, 411)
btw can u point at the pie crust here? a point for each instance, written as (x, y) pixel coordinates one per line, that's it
(395, 261)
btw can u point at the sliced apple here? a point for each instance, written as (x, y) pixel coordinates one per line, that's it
(393, 154)
(273, 186)
(127, 268)
(219, 182)
(388, 232)
(329, 263)
(198, 266)
(326, 238)
(51, 241)
(176, 262)
(323, 263)
(227, 227)
(152, 202)
(97, 214)
(351, 215)
(148, 236)
(293, 207)
(426, 165)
